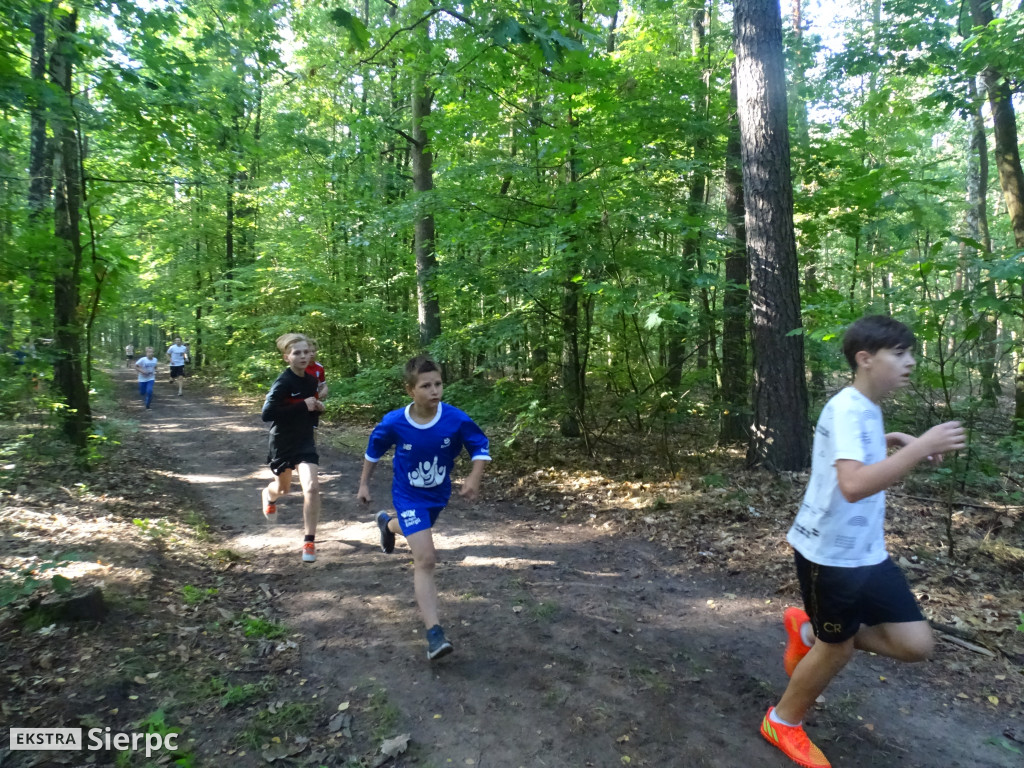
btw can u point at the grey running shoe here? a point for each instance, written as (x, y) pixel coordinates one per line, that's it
(437, 644)
(387, 538)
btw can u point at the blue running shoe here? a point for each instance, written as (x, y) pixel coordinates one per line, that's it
(437, 644)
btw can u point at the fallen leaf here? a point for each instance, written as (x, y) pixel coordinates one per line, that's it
(340, 722)
(869, 726)
(281, 751)
(623, 738)
(343, 706)
(994, 700)
(396, 746)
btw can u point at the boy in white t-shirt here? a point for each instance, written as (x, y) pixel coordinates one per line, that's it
(146, 366)
(177, 354)
(855, 596)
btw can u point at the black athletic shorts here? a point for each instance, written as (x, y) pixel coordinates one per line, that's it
(838, 600)
(177, 370)
(291, 456)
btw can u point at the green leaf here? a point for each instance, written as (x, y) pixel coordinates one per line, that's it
(357, 31)
(61, 584)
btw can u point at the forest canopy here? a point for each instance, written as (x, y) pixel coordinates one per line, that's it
(548, 197)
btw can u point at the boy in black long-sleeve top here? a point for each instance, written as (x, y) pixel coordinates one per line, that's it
(291, 406)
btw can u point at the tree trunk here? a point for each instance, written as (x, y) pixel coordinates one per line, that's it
(573, 374)
(67, 263)
(977, 230)
(1011, 177)
(40, 170)
(428, 308)
(735, 424)
(779, 436)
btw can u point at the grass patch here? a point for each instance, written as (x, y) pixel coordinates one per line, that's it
(271, 630)
(195, 595)
(1004, 555)
(239, 695)
(384, 714)
(544, 610)
(200, 528)
(284, 722)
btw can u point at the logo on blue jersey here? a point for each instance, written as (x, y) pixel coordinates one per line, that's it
(447, 442)
(427, 475)
(410, 517)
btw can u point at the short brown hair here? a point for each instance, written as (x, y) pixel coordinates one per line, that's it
(416, 366)
(874, 332)
(287, 340)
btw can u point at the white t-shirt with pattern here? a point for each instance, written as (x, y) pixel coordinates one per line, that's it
(828, 529)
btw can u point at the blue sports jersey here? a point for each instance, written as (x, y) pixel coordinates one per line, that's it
(425, 453)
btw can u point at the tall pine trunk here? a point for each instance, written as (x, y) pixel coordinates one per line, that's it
(779, 437)
(573, 370)
(735, 423)
(67, 264)
(40, 171)
(1011, 177)
(428, 308)
(977, 230)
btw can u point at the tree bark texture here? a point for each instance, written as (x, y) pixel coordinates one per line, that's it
(573, 370)
(1011, 177)
(40, 170)
(779, 437)
(977, 230)
(67, 263)
(735, 423)
(428, 308)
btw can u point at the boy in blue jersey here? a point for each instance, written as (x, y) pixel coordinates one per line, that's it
(427, 436)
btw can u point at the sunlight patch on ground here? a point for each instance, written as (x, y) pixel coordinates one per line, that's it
(503, 562)
(210, 479)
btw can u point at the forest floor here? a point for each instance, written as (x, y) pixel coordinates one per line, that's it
(597, 620)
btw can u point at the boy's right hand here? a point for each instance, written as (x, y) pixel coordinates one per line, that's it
(312, 404)
(942, 438)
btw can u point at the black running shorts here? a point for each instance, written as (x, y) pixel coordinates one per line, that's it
(838, 600)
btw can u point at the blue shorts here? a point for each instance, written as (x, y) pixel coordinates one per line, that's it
(838, 600)
(415, 517)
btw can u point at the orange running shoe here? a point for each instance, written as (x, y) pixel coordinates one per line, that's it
(309, 552)
(270, 511)
(796, 648)
(793, 742)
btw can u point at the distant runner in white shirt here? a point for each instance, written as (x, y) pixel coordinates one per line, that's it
(146, 366)
(177, 353)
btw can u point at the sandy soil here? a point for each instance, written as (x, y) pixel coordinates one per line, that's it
(573, 646)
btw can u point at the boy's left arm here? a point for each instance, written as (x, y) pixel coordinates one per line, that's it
(471, 485)
(479, 451)
(902, 440)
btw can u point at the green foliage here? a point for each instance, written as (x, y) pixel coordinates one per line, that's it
(196, 595)
(244, 182)
(285, 722)
(256, 627)
(240, 695)
(156, 722)
(24, 582)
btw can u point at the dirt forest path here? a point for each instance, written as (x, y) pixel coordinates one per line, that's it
(573, 647)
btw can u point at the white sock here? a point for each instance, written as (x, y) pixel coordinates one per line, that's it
(807, 634)
(776, 719)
